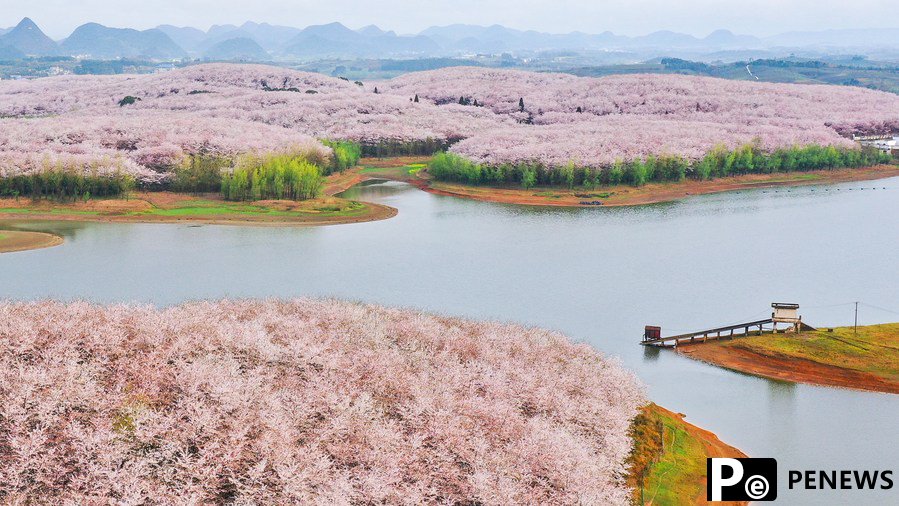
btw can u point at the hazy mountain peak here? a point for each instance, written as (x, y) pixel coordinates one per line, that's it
(720, 33)
(220, 29)
(27, 38)
(372, 31)
(335, 29)
(723, 37)
(27, 24)
(101, 41)
(667, 38)
(240, 48)
(187, 37)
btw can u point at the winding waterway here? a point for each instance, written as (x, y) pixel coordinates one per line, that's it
(598, 275)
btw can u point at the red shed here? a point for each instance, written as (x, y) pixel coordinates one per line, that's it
(650, 332)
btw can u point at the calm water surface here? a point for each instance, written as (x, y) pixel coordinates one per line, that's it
(599, 275)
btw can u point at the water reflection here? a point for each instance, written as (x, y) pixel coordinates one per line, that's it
(651, 353)
(66, 229)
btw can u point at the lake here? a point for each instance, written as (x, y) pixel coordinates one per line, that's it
(598, 275)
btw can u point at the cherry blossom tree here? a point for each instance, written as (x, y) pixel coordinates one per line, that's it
(303, 401)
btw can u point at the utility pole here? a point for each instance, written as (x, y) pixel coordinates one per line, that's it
(855, 328)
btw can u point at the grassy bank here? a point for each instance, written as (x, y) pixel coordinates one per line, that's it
(866, 360)
(668, 463)
(273, 202)
(208, 208)
(402, 168)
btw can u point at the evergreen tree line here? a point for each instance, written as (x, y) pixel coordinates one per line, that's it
(425, 147)
(62, 184)
(720, 162)
(272, 177)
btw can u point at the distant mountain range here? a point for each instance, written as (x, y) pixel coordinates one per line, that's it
(98, 41)
(262, 41)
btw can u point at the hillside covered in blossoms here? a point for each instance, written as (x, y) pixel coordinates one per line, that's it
(303, 401)
(146, 124)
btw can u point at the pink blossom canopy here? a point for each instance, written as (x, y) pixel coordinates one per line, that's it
(300, 402)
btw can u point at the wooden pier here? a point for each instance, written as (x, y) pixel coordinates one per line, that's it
(784, 313)
(702, 336)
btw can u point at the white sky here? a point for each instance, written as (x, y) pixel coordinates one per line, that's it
(629, 17)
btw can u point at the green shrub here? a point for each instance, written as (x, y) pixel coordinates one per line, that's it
(128, 100)
(272, 177)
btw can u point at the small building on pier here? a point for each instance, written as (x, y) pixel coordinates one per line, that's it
(784, 313)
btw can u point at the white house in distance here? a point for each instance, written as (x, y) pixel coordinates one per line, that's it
(786, 312)
(886, 143)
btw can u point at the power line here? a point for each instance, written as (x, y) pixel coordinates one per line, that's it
(829, 305)
(741, 320)
(879, 308)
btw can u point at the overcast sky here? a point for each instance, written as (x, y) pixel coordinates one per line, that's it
(629, 17)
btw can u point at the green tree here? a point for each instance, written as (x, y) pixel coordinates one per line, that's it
(529, 178)
(568, 174)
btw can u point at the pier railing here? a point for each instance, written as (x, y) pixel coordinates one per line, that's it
(748, 328)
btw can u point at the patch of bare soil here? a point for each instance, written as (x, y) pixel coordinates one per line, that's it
(16, 240)
(786, 368)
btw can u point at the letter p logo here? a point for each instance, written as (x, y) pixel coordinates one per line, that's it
(716, 479)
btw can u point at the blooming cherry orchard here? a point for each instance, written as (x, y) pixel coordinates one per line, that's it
(595, 121)
(146, 146)
(520, 116)
(301, 402)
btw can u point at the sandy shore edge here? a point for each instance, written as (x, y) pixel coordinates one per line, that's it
(20, 240)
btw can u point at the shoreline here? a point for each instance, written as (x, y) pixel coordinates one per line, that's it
(610, 196)
(777, 358)
(379, 212)
(170, 207)
(669, 453)
(792, 370)
(653, 193)
(12, 241)
(141, 206)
